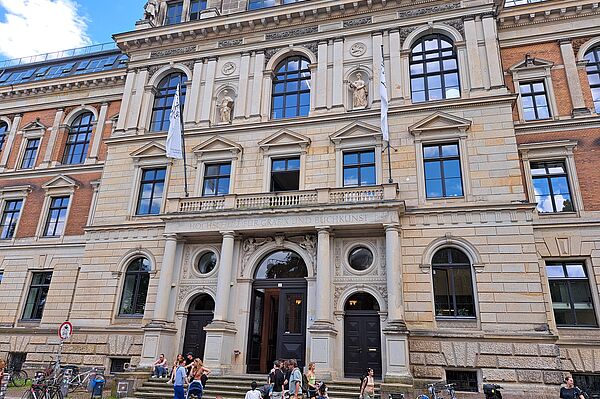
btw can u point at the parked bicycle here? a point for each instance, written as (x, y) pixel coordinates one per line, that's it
(435, 391)
(42, 388)
(81, 380)
(18, 378)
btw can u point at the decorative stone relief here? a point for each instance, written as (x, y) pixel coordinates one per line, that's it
(184, 290)
(358, 49)
(225, 107)
(189, 64)
(339, 289)
(415, 12)
(357, 22)
(457, 24)
(249, 246)
(153, 69)
(312, 47)
(309, 243)
(151, 11)
(187, 257)
(577, 43)
(360, 92)
(230, 43)
(271, 52)
(173, 51)
(286, 34)
(228, 68)
(404, 32)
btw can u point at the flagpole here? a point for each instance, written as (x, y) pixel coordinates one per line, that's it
(390, 180)
(185, 180)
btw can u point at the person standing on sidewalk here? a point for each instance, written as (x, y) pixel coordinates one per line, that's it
(277, 378)
(179, 380)
(295, 380)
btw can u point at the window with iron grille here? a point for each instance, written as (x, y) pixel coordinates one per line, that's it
(452, 284)
(151, 191)
(571, 294)
(117, 365)
(463, 380)
(174, 13)
(216, 179)
(163, 100)
(534, 100)
(291, 88)
(10, 217)
(359, 168)
(442, 170)
(196, 8)
(78, 139)
(57, 216)
(593, 72)
(135, 288)
(31, 149)
(434, 69)
(36, 299)
(551, 187)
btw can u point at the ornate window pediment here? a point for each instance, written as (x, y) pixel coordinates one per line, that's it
(284, 138)
(358, 132)
(531, 64)
(34, 129)
(150, 151)
(60, 183)
(440, 122)
(217, 147)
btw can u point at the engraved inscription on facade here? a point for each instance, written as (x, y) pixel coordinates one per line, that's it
(357, 22)
(286, 34)
(230, 43)
(415, 12)
(173, 51)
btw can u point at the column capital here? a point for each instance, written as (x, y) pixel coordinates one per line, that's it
(227, 233)
(391, 227)
(170, 236)
(323, 229)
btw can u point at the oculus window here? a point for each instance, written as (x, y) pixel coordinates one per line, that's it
(571, 294)
(291, 88)
(593, 72)
(36, 299)
(452, 284)
(57, 216)
(551, 187)
(534, 100)
(207, 262)
(216, 179)
(78, 139)
(285, 174)
(135, 288)
(151, 191)
(433, 69)
(31, 149)
(163, 100)
(442, 171)
(360, 258)
(10, 217)
(359, 168)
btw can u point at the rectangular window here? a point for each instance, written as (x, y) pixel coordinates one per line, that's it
(1, 276)
(463, 380)
(442, 171)
(285, 174)
(534, 100)
(31, 149)
(551, 187)
(10, 217)
(589, 383)
(216, 179)
(453, 291)
(36, 299)
(359, 168)
(256, 4)
(174, 13)
(118, 365)
(196, 7)
(151, 191)
(57, 215)
(571, 294)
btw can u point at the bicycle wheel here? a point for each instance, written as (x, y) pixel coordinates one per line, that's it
(422, 397)
(55, 394)
(19, 378)
(74, 385)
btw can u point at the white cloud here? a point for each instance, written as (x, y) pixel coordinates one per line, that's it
(41, 26)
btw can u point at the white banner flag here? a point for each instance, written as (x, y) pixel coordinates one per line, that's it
(174, 143)
(384, 101)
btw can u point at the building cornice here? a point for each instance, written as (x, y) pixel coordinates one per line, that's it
(53, 171)
(545, 12)
(587, 122)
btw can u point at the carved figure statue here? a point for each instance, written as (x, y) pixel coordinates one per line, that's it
(225, 108)
(360, 92)
(151, 10)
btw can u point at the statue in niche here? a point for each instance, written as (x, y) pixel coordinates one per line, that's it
(360, 92)
(225, 108)
(151, 11)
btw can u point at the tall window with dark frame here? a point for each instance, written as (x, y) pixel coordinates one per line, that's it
(10, 218)
(196, 8)
(258, 4)
(174, 13)
(57, 215)
(151, 191)
(291, 88)
(78, 139)
(593, 72)
(442, 171)
(285, 174)
(3, 133)
(534, 100)
(216, 179)
(571, 294)
(36, 299)
(135, 288)
(31, 149)
(163, 100)
(551, 187)
(359, 168)
(452, 284)
(434, 69)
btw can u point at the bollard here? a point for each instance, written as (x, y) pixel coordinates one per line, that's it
(66, 379)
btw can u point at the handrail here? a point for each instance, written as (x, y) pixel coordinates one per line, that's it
(94, 48)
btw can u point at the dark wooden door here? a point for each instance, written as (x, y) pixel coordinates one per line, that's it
(362, 343)
(195, 336)
(292, 324)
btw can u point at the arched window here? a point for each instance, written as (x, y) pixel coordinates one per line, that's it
(3, 133)
(78, 139)
(361, 301)
(135, 288)
(163, 100)
(452, 284)
(281, 264)
(433, 69)
(291, 88)
(593, 72)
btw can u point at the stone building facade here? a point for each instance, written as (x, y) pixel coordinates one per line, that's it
(292, 239)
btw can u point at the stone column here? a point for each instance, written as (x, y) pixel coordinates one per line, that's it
(127, 94)
(53, 135)
(14, 126)
(321, 86)
(139, 112)
(207, 96)
(322, 331)
(239, 109)
(257, 84)
(165, 280)
(224, 280)
(474, 67)
(395, 78)
(492, 51)
(192, 97)
(377, 38)
(338, 73)
(97, 135)
(573, 81)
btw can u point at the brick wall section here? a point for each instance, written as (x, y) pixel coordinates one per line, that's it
(47, 119)
(586, 160)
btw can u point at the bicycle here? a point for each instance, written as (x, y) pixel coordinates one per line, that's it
(82, 379)
(17, 378)
(42, 389)
(437, 387)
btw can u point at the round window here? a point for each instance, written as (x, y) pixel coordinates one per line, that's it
(207, 262)
(360, 258)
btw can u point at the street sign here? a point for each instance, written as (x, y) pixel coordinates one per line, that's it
(65, 331)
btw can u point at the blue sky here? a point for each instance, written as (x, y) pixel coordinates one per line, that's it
(29, 27)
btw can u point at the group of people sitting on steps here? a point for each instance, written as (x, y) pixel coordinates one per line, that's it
(185, 369)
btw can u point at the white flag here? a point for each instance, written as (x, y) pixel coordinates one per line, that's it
(174, 143)
(384, 101)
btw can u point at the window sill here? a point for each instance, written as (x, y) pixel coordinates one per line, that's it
(546, 215)
(29, 322)
(129, 317)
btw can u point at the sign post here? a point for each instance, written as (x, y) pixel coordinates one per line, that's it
(64, 332)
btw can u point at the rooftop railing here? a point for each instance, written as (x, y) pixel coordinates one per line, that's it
(58, 54)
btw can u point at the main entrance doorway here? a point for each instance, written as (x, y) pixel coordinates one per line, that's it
(362, 335)
(199, 316)
(278, 313)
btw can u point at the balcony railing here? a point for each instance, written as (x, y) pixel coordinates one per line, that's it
(289, 199)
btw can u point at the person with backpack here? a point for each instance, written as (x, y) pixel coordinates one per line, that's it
(570, 391)
(295, 380)
(367, 385)
(277, 379)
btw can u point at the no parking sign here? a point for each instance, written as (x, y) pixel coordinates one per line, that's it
(65, 330)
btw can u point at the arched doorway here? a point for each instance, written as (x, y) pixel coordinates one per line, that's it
(200, 315)
(362, 335)
(278, 312)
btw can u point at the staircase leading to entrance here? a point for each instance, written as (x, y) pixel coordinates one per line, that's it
(235, 387)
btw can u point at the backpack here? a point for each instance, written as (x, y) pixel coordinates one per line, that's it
(362, 381)
(304, 383)
(582, 392)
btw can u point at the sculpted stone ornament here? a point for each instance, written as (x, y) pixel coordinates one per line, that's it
(358, 49)
(360, 92)
(151, 11)
(225, 108)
